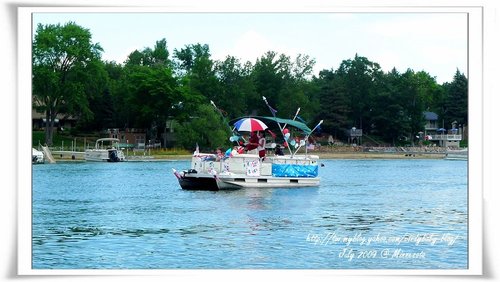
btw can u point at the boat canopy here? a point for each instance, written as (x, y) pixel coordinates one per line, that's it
(294, 123)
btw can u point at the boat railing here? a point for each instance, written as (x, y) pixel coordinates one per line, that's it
(446, 137)
(238, 164)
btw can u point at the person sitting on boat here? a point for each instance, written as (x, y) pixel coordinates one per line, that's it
(218, 154)
(236, 151)
(253, 142)
(278, 151)
(262, 145)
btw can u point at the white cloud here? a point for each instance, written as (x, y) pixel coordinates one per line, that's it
(251, 45)
(248, 47)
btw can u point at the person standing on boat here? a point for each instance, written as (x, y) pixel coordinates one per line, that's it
(262, 145)
(253, 142)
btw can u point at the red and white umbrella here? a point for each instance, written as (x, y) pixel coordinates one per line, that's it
(250, 124)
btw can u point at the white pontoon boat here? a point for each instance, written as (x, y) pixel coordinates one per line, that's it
(248, 170)
(234, 171)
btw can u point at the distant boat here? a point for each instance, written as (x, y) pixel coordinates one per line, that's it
(106, 150)
(459, 155)
(37, 157)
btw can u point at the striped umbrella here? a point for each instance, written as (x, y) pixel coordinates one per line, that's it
(250, 124)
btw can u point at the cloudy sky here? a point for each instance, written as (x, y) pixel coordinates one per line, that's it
(433, 42)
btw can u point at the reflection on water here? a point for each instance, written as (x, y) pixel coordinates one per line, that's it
(134, 215)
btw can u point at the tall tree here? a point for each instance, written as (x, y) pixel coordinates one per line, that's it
(198, 69)
(268, 74)
(456, 100)
(158, 56)
(236, 86)
(59, 52)
(294, 92)
(334, 103)
(361, 77)
(413, 103)
(390, 121)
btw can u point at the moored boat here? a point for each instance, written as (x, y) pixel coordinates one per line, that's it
(105, 150)
(37, 157)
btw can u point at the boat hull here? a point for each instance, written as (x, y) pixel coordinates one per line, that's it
(195, 181)
(265, 182)
(249, 171)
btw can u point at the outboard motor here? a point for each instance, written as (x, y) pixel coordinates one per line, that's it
(113, 156)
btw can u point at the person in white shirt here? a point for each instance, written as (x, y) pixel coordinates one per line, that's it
(262, 145)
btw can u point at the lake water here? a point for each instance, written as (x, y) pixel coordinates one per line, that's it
(367, 214)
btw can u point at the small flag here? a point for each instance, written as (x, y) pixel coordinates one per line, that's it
(273, 111)
(177, 174)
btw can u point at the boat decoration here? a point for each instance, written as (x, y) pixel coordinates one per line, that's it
(250, 125)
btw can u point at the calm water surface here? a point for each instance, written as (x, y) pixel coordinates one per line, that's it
(367, 214)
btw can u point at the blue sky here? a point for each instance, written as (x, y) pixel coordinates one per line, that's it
(433, 42)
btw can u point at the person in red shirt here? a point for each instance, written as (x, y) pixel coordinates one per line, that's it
(253, 142)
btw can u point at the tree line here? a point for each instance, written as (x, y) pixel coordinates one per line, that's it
(154, 86)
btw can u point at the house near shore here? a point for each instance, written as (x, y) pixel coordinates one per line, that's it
(130, 137)
(38, 121)
(439, 135)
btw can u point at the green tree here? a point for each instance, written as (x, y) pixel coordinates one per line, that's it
(61, 55)
(101, 109)
(296, 91)
(267, 83)
(361, 78)
(388, 116)
(195, 65)
(153, 92)
(204, 128)
(149, 93)
(334, 103)
(412, 103)
(159, 56)
(235, 84)
(455, 102)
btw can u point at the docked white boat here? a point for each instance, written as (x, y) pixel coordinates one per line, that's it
(457, 155)
(248, 170)
(106, 150)
(37, 157)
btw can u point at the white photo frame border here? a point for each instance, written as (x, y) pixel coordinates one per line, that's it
(476, 118)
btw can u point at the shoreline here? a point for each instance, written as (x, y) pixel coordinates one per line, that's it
(322, 155)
